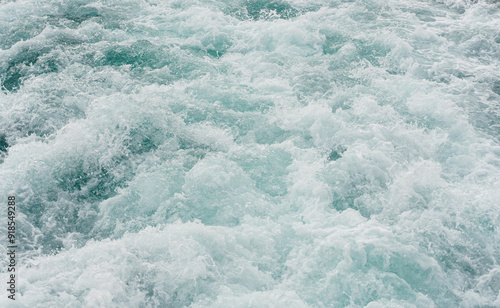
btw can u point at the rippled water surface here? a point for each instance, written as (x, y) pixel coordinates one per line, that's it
(252, 153)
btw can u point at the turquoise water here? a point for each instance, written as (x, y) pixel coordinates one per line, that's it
(252, 153)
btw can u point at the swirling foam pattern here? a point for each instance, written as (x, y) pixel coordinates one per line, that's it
(252, 153)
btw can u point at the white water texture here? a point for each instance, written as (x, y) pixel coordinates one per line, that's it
(251, 153)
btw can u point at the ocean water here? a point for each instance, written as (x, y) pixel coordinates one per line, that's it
(251, 153)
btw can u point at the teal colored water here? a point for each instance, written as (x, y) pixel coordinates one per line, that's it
(252, 153)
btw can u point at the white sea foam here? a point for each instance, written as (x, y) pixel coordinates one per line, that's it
(252, 153)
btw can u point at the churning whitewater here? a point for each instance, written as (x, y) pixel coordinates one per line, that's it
(251, 153)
